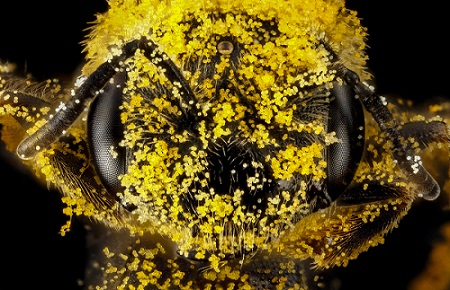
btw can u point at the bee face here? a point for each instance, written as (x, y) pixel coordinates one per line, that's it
(232, 131)
(235, 150)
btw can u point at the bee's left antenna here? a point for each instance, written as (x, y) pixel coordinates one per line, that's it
(404, 155)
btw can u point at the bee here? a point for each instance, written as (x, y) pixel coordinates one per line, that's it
(223, 145)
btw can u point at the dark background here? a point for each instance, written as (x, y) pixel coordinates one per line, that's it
(408, 56)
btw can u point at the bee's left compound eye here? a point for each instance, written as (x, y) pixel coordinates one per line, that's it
(346, 119)
(105, 131)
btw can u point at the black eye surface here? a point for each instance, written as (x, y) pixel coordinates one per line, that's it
(346, 119)
(105, 131)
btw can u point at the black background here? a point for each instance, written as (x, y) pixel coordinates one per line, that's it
(408, 56)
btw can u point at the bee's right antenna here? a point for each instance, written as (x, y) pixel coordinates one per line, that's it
(67, 113)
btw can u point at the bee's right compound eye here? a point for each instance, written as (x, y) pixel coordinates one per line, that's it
(105, 131)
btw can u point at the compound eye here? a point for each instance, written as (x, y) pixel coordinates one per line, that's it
(346, 119)
(105, 131)
(225, 47)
